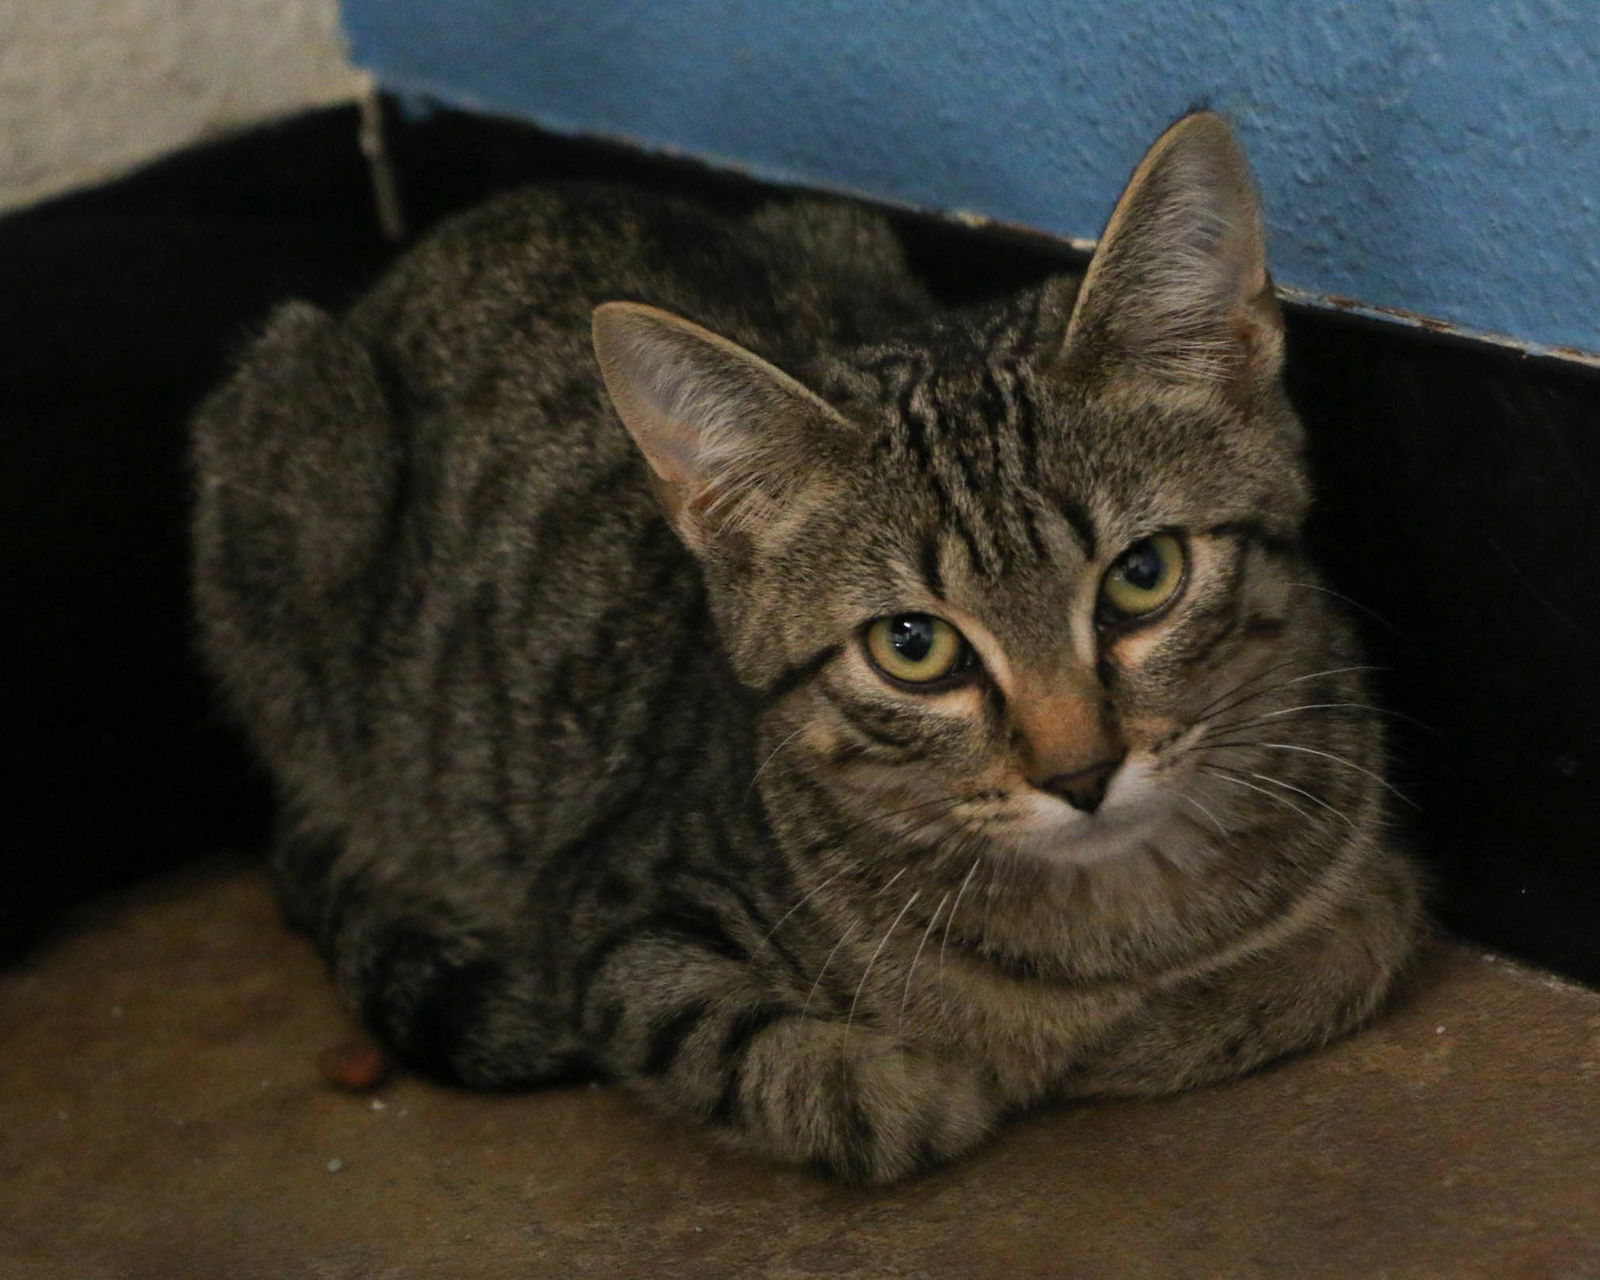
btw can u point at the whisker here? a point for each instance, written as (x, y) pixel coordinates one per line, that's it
(1326, 755)
(1307, 706)
(867, 972)
(1270, 795)
(1264, 716)
(1005, 869)
(1169, 873)
(1184, 795)
(952, 802)
(756, 776)
(1279, 782)
(1354, 604)
(888, 884)
(1210, 714)
(807, 898)
(843, 938)
(1251, 721)
(956, 906)
(853, 864)
(1534, 591)
(1229, 692)
(905, 994)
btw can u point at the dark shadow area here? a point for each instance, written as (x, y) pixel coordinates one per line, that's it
(1457, 487)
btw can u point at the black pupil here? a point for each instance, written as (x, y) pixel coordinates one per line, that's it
(1141, 566)
(911, 634)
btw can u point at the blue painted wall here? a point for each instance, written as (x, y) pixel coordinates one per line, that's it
(1441, 156)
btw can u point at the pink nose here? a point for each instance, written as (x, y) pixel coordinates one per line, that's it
(1085, 788)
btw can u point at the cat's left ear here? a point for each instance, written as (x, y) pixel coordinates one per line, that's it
(729, 438)
(1178, 292)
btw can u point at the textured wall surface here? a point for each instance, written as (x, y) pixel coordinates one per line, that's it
(1438, 156)
(91, 87)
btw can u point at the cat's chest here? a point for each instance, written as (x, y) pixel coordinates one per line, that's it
(1028, 1032)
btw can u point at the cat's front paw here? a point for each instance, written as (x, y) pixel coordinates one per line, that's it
(857, 1106)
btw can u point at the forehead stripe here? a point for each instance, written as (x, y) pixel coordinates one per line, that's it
(928, 563)
(1030, 526)
(922, 440)
(1077, 518)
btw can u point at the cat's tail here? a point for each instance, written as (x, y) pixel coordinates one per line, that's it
(296, 469)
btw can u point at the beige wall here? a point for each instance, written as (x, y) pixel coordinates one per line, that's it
(90, 88)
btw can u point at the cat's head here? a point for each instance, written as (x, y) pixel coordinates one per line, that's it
(993, 580)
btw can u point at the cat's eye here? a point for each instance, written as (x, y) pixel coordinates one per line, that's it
(917, 648)
(1144, 578)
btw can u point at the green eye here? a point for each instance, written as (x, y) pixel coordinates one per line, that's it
(1145, 577)
(915, 647)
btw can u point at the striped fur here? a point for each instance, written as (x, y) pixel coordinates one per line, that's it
(566, 792)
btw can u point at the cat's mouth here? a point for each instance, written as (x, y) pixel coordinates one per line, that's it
(1137, 809)
(1134, 812)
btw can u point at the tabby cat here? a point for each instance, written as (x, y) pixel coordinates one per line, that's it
(846, 744)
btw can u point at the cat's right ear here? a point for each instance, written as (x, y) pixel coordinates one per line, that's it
(1177, 293)
(729, 437)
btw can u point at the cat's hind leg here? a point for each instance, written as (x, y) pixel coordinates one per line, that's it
(297, 467)
(451, 995)
(670, 1005)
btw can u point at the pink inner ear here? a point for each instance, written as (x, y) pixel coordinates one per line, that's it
(728, 436)
(1179, 288)
(669, 450)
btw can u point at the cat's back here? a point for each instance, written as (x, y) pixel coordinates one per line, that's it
(506, 292)
(438, 467)
(478, 341)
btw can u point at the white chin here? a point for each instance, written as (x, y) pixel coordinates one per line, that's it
(1053, 830)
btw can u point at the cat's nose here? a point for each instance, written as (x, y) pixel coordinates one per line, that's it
(1083, 788)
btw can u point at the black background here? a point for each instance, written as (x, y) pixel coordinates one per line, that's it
(1458, 482)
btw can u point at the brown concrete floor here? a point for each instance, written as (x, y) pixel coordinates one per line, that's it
(161, 1116)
